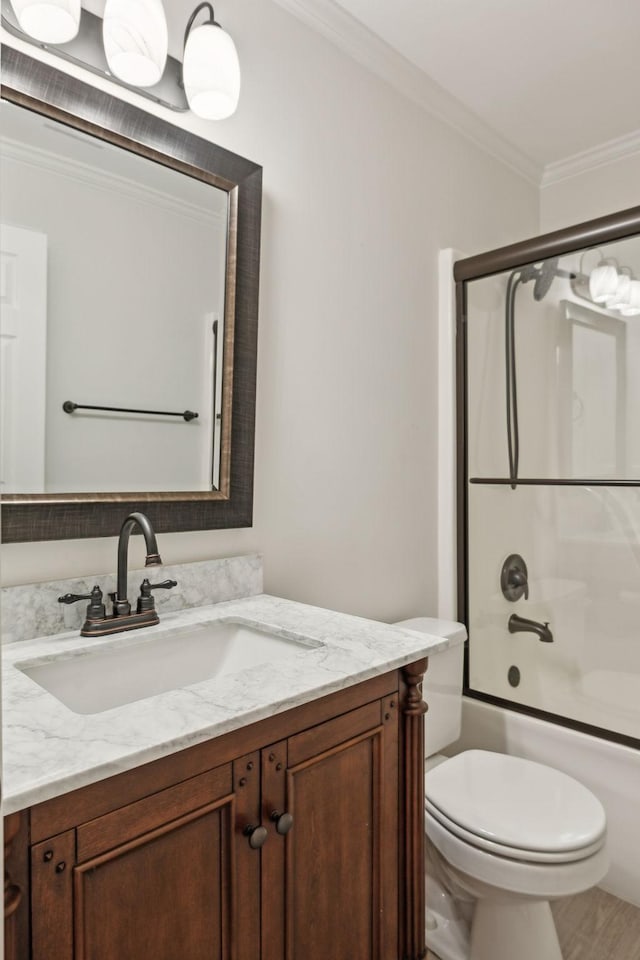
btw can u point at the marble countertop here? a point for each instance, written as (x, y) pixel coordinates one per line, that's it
(49, 750)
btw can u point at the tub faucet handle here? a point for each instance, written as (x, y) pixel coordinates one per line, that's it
(514, 578)
(517, 579)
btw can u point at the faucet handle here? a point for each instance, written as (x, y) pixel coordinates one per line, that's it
(95, 609)
(145, 600)
(74, 597)
(145, 586)
(514, 578)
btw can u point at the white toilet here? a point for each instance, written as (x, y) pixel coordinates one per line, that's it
(504, 835)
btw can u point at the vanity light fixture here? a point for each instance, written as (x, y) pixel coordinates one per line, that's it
(610, 286)
(49, 21)
(136, 40)
(129, 47)
(210, 69)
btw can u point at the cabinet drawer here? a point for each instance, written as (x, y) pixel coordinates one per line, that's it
(137, 818)
(312, 742)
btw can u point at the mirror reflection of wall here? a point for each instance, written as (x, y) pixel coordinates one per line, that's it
(119, 263)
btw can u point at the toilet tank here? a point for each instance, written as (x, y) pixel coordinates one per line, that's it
(442, 687)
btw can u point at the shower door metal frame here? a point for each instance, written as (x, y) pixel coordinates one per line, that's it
(591, 233)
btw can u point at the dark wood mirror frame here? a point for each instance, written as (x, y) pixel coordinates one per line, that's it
(29, 517)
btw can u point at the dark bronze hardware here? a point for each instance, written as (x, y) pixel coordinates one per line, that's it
(145, 600)
(214, 394)
(514, 578)
(73, 597)
(283, 822)
(61, 867)
(69, 407)
(98, 624)
(518, 624)
(121, 605)
(95, 609)
(48, 856)
(555, 482)
(256, 835)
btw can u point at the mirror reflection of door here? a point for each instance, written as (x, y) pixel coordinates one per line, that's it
(592, 371)
(23, 335)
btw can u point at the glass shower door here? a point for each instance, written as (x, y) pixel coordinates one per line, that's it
(552, 477)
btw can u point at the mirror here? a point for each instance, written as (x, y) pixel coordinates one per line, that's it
(130, 253)
(114, 283)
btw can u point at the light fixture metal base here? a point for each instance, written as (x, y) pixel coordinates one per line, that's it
(86, 51)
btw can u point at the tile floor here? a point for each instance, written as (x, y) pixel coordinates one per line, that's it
(595, 925)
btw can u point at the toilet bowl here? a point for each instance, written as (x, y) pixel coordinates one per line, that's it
(504, 835)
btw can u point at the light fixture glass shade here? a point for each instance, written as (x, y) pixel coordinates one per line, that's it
(622, 293)
(211, 72)
(632, 307)
(603, 283)
(49, 21)
(136, 40)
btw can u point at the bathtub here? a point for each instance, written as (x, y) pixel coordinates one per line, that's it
(610, 770)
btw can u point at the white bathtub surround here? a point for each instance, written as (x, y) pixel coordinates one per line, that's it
(581, 548)
(611, 771)
(49, 750)
(33, 610)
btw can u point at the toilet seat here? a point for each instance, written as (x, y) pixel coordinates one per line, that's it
(511, 852)
(537, 880)
(515, 808)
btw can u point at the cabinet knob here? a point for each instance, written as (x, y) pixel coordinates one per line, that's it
(283, 822)
(256, 835)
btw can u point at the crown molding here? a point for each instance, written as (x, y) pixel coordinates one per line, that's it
(604, 153)
(356, 40)
(78, 171)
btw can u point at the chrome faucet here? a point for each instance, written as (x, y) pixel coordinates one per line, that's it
(522, 625)
(97, 622)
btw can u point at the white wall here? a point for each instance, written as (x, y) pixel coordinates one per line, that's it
(595, 193)
(361, 190)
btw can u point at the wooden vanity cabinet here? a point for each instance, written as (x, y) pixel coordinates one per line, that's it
(143, 878)
(330, 884)
(292, 839)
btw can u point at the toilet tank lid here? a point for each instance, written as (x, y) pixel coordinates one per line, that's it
(455, 632)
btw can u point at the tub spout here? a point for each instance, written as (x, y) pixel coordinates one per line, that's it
(522, 625)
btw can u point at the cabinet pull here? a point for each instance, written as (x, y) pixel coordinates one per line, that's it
(283, 822)
(256, 836)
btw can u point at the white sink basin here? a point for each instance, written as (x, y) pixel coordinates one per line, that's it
(137, 667)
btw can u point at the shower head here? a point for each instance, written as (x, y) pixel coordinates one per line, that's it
(543, 276)
(547, 271)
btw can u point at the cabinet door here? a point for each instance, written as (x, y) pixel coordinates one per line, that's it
(154, 880)
(335, 872)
